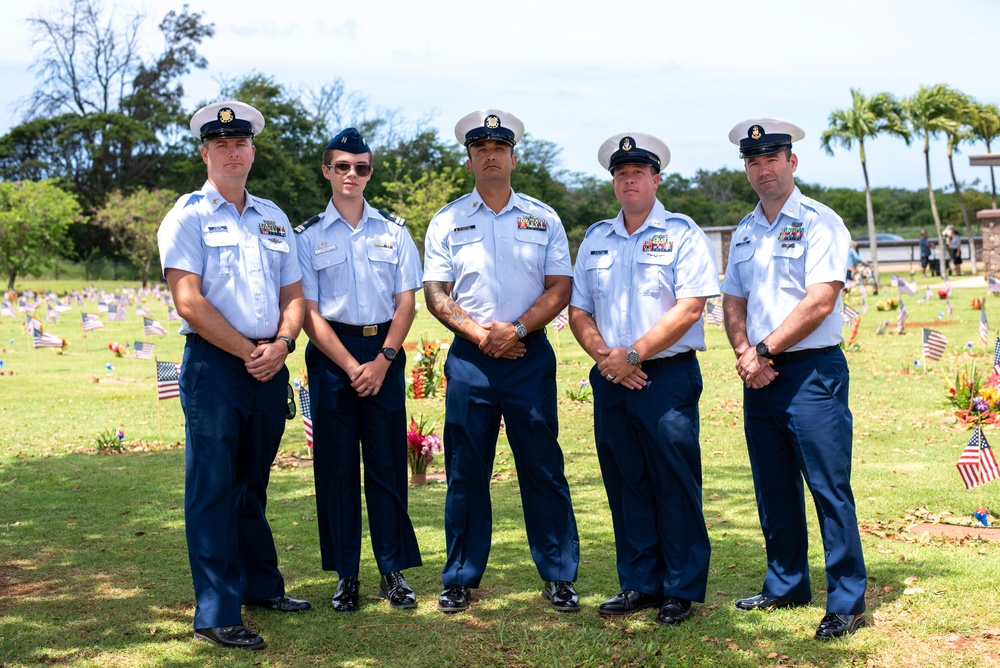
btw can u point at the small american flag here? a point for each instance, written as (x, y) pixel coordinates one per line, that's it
(102, 306)
(31, 324)
(172, 314)
(116, 312)
(713, 313)
(561, 321)
(46, 340)
(947, 303)
(996, 352)
(934, 343)
(91, 321)
(978, 464)
(305, 407)
(902, 314)
(984, 326)
(864, 306)
(52, 314)
(947, 285)
(894, 281)
(992, 284)
(167, 376)
(150, 327)
(907, 288)
(927, 294)
(862, 290)
(142, 310)
(143, 351)
(8, 310)
(849, 315)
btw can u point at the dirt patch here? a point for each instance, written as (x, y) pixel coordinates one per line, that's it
(955, 531)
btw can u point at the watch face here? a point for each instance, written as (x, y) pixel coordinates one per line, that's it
(390, 353)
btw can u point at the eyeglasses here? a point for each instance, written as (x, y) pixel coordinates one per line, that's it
(341, 168)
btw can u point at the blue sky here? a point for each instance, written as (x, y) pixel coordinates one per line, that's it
(576, 73)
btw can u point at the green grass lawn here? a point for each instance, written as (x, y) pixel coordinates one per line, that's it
(94, 572)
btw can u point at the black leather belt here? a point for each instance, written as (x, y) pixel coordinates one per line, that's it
(669, 361)
(193, 337)
(796, 355)
(359, 330)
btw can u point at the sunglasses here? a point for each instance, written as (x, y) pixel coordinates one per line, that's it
(341, 168)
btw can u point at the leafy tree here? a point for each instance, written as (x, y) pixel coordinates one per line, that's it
(929, 113)
(418, 200)
(867, 118)
(132, 222)
(34, 217)
(984, 123)
(102, 111)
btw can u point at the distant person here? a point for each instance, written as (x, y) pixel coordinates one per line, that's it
(854, 262)
(230, 261)
(956, 251)
(360, 274)
(925, 253)
(781, 301)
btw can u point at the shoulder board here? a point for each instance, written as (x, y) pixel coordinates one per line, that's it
(392, 218)
(595, 226)
(309, 223)
(194, 199)
(266, 202)
(746, 218)
(537, 202)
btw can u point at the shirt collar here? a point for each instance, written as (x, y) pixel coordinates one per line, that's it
(657, 216)
(475, 203)
(792, 208)
(331, 215)
(215, 199)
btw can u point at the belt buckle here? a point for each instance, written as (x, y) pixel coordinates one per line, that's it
(261, 342)
(369, 330)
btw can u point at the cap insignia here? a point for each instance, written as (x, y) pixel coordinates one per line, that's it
(226, 115)
(626, 144)
(755, 132)
(492, 122)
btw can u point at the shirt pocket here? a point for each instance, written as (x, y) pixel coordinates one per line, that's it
(274, 250)
(222, 253)
(789, 264)
(599, 268)
(655, 273)
(467, 251)
(741, 263)
(331, 267)
(383, 261)
(530, 249)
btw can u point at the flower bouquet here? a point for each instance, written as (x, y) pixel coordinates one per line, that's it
(426, 376)
(421, 445)
(975, 398)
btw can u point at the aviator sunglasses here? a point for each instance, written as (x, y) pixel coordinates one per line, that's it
(341, 168)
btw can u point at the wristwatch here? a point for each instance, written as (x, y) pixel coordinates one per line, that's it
(289, 341)
(764, 351)
(389, 353)
(631, 356)
(520, 329)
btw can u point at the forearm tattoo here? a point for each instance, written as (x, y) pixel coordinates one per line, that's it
(443, 307)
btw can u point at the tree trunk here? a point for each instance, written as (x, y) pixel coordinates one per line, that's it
(944, 250)
(872, 241)
(10, 279)
(993, 180)
(965, 213)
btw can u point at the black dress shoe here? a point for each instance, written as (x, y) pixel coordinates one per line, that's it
(835, 625)
(279, 603)
(561, 595)
(237, 636)
(673, 611)
(454, 598)
(627, 602)
(761, 602)
(393, 586)
(347, 597)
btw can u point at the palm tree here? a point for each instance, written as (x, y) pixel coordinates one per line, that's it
(961, 113)
(929, 113)
(985, 126)
(867, 118)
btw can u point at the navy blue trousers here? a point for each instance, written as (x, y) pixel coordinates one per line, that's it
(800, 426)
(647, 444)
(481, 390)
(342, 419)
(233, 427)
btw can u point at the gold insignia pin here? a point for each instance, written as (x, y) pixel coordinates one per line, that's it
(492, 122)
(755, 132)
(626, 144)
(226, 115)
